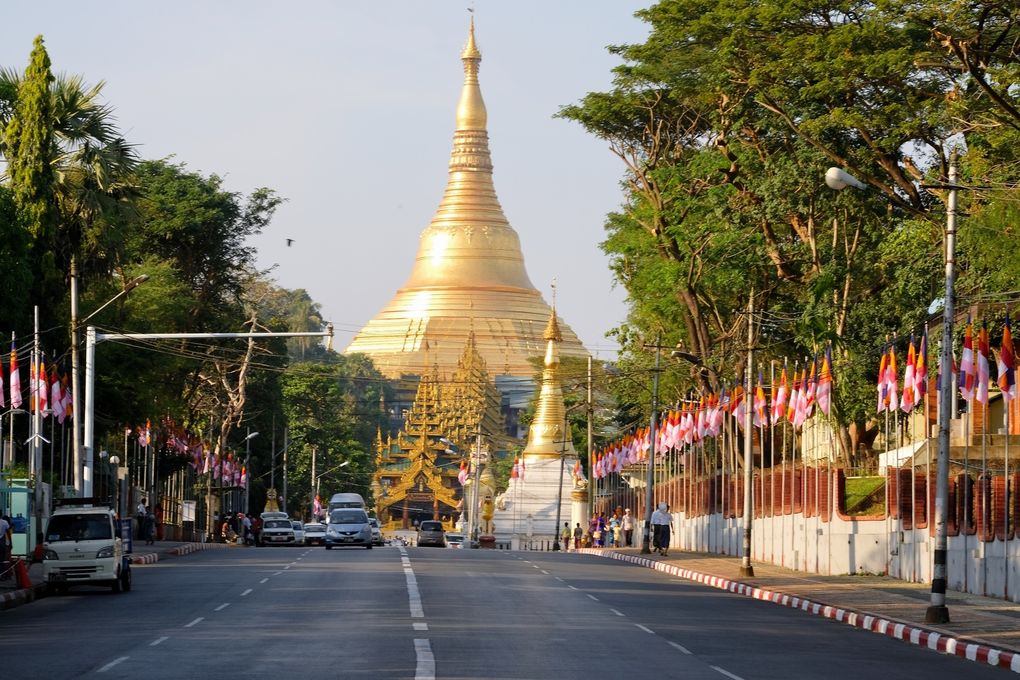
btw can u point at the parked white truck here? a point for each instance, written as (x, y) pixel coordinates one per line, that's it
(81, 547)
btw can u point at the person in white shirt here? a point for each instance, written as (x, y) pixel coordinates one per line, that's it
(661, 521)
(627, 524)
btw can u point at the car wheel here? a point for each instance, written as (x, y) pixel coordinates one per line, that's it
(116, 585)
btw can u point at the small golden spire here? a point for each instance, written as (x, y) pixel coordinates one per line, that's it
(547, 435)
(471, 114)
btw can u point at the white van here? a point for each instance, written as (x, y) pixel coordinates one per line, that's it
(81, 547)
(346, 500)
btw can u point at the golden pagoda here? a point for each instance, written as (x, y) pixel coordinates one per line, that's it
(469, 273)
(548, 436)
(416, 474)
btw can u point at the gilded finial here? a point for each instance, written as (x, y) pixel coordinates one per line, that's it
(471, 114)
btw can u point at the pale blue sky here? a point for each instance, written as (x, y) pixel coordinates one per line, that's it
(347, 110)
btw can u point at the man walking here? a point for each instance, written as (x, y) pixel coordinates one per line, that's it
(627, 524)
(565, 536)
(578, 535)
(661, 520)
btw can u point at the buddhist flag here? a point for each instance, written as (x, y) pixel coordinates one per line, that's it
(244, 477)
(779, 401)
(967, 376)
(15, 377)
(983, 378)
(42, 387)
(892, 380)
(56, 395)
(909, 375)
(1007, 365)
(463, 474)
(760, 419)
(883, 389)
(791, 407)
(823, 394)
(921, 371)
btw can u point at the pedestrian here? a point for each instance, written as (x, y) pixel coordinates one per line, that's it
(565, 536)
(149, 526)
(661, 520)
(578, 535)
(614, 531)
(246, 523)
(627, 525)
(256, 528)
(140, 513)
(5, 539)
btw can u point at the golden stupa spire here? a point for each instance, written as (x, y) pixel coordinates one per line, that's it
(548, 436)
(469, 272)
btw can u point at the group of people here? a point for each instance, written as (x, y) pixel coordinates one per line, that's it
(146, 521)
(245, 525)
(617, 531)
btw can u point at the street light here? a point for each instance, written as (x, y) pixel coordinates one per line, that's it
(247, 469)
(10, 444)
(316, 485)
(937, 611)
(115, 464)
(79, 480)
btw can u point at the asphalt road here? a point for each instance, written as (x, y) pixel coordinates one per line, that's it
(293, 613)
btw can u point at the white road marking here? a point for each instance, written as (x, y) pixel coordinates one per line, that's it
(222, 607)
(680, 647)
(277, 573)
(158, 640)
(112, 664)
(616, 611)
(727, 673)
(413, 594)
(544, 572)
(571, 587)
(592, 597)
(287, 567)
(245, 592)
(426, 669)
(264, 580)
(645, 628)
(189, 625)
(420, 625)
(558, 579)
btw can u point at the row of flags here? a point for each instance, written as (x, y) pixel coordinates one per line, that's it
(48, 393)
(974, 376)
(225, 468)
(795, 397)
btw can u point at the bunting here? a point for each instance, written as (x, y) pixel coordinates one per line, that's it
(1007, 365)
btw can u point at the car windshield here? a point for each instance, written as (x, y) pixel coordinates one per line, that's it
(431, 526)
(79, 527)
(277, 524)
(454, 538)
(348, 517)
(314, 527)
(296, 525)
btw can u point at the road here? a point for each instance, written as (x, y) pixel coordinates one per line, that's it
(281, 613)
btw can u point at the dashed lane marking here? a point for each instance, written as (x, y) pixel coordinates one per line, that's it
(571, 587)
(112, 664)
(544, 572)
(426, 669)
(264, 580)
(158, 641)
(727, 673)
(277, 573)
(199, 619)
(558, 579)
(645, 628)
(245, 592)
(222, 607)
(420, 625)
(616, 611)
(680, 647)
(592, 597)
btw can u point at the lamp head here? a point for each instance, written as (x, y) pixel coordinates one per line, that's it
(839, 179)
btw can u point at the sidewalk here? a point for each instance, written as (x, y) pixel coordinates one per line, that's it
(12, 596)
(982, 629)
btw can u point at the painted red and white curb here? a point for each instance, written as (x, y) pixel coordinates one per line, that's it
(921, 637)
(185, 549)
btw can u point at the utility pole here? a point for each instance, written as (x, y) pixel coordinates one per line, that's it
(591, 445)
(745, 561)
(646, 548)
(283, 499)
(314, 484)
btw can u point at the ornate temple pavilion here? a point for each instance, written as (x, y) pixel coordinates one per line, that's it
(469, 275)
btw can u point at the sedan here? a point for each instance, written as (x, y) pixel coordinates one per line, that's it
(277, 532)
(454, 540)
(315, 534)
(299, 532)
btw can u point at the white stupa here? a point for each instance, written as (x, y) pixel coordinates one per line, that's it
(526, 511)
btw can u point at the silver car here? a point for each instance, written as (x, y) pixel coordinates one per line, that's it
(315, 533)
(299, 532)
(348, 527)
(377, 538)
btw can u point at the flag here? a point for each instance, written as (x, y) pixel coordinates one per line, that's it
(760, 418)
(1007, 365)
(317, 506)
(891, 380)
(737, 405)
(907, 402)
(883, 389)
(812, 389)
(967, 376)
(982, 365)
(779, 401)
(15, 377)
(206, 461)
(578, 473)
(463, 474)
(56, 395)
(800, 411)
(513, 468)
(244, 477)
(823, 394)
(43, 387)
(921, 371)
(791, 406)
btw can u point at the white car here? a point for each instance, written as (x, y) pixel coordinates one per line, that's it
(454, 540)
(81, 547)
(299, 532)
(277, 532)
(315, 534)
(377, 538)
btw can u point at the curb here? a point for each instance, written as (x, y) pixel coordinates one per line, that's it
(920, 637)
(16, 598)
(186, 549)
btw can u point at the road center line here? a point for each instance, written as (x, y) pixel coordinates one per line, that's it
(420, 625)
(112, 664)
(571, 587)
(189, 625)
(277, 573)
(645, 628)
(264, 580)
(592, 597)
(158, 640)
(616, 611)
(558, 579)
(680, 647)
(222, 607)
(544, 572)
(727, 673)
(245, 592)
(426, 669)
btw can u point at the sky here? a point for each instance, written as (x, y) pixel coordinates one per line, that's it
(346, 109)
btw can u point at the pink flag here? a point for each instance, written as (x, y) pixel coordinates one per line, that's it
(982, 365)
(15, 377)
(909, 378)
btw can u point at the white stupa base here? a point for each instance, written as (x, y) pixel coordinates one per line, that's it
(527, 509)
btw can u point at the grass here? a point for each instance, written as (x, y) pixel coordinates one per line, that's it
(865, 495)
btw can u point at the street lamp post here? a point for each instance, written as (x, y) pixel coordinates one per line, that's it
(8, 458)
(937, 611)
(316, 485)
(646, 548)
(115, 467)
(247, 469)
(80, 469)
